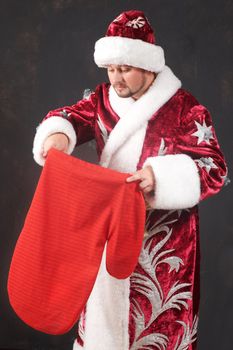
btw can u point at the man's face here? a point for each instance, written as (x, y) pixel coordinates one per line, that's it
(129, 81)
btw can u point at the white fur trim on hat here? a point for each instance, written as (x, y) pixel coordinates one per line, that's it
(48, 127)
(126, 51)
(177, 182)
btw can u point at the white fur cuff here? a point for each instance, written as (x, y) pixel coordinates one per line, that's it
(177, 182)
(51, 126)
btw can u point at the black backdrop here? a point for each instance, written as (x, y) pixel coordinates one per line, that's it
(46, 50)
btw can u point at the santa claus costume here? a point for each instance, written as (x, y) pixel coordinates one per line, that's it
(157, 307)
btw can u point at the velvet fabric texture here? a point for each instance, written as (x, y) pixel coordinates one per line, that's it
(130, 40)
(77, 208)
(166, 125)
(132, 24)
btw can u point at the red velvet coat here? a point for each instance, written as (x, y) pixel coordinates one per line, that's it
(157, 307)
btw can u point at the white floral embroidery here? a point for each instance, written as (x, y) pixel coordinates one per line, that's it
(103, 130)
(189, 335)
(136, 22)
(149, 286)
(162, 149)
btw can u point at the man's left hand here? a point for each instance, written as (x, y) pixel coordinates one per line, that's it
(145, 177)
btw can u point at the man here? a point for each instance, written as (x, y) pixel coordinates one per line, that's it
(146, 125)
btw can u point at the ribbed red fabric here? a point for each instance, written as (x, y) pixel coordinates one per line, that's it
(77, 208)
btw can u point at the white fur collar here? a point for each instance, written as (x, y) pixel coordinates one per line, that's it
(120, 105)
(134, 114)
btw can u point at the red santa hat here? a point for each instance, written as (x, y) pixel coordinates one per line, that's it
(130, 40)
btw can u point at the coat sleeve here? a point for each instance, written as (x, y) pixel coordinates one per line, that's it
(76, 122)
(195, 170)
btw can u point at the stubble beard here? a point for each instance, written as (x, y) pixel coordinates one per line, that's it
(126, 91)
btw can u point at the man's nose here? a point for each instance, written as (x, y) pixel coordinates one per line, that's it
(117, 77)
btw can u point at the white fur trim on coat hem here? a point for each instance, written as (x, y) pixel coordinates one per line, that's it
(131, 52)
(107, 313)
(177, 182)
(77, 346)
(48, 127)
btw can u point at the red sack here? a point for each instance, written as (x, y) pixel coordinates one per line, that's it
(77, 207)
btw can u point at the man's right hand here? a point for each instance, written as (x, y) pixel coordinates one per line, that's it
(58, 141)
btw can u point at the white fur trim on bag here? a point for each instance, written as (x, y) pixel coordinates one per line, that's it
(131, 52)
(177, 182)
(48, 127)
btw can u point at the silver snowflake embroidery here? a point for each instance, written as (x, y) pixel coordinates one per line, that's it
(65, 114)
(206, 162)
(162, 149)
(86, 94)
(203, 133)
(226, 180)
(136, 22)
(118, 18)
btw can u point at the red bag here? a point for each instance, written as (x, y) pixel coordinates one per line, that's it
(77, 208)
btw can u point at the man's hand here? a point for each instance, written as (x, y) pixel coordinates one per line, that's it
(58, 141)
(146, 178)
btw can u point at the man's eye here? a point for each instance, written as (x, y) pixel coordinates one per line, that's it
(125, 70)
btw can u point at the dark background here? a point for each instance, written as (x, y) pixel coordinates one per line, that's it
(46, 61)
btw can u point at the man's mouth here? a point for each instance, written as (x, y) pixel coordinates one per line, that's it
(119, 86)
